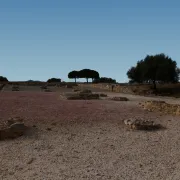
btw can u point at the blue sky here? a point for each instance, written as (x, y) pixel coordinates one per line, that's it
(40, 39)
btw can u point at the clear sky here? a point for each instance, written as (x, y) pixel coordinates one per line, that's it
(40, 39)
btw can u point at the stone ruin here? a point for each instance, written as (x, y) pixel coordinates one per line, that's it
(141, 124)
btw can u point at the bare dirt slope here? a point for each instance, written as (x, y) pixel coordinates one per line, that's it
(86, 140)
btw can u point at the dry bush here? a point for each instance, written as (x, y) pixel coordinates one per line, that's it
(120, 99)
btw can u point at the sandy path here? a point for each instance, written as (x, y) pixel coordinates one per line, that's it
(87, 141)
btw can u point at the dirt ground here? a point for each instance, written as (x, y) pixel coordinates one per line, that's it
(86, 140)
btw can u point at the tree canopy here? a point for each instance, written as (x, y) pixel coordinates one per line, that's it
(3, 79)
(154, 68)
(54, 80)
(84, 73)
(104, 80)
(73, 75)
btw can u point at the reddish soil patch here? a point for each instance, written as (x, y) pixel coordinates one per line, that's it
(47, 108)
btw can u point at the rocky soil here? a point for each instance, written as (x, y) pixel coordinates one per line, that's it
(84, 139)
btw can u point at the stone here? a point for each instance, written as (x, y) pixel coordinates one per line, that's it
(141, 124)
(18, 128)
(15, 130)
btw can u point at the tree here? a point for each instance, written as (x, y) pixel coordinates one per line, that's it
(153, 69)
(135, 73)
(94, 75)
(84, 73)
(73, 75)
(54, 80)
(88, 73)
(3, 79)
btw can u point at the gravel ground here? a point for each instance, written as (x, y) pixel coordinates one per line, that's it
(79, 140)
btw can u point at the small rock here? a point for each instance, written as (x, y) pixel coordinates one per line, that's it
(11, 173)
(18, 128)
(31, 161)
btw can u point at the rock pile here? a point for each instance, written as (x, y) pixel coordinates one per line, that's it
(13, 128)
(141, 124)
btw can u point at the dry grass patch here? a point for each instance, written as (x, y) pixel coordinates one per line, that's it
(161, 106)
(82, 95)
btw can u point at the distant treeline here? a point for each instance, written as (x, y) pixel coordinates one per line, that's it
(104, 80)
(3, 79)
(153, 69)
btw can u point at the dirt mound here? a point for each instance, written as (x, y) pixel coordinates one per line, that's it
(161, 106)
